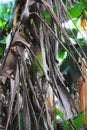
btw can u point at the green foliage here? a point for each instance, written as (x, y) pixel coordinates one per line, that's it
(68, 67)
(5, 13)
(3, 41)
(47, 15)
(77, 9)
(2, 48)
(78, 121)
(70, 70)
(5, 16)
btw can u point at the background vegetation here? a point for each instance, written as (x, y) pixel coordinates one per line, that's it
(62, 27)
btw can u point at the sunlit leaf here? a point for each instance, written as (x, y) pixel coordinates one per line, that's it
(78, 122)
(76, 11)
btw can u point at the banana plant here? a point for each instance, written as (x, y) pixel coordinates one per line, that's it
(29, 84)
